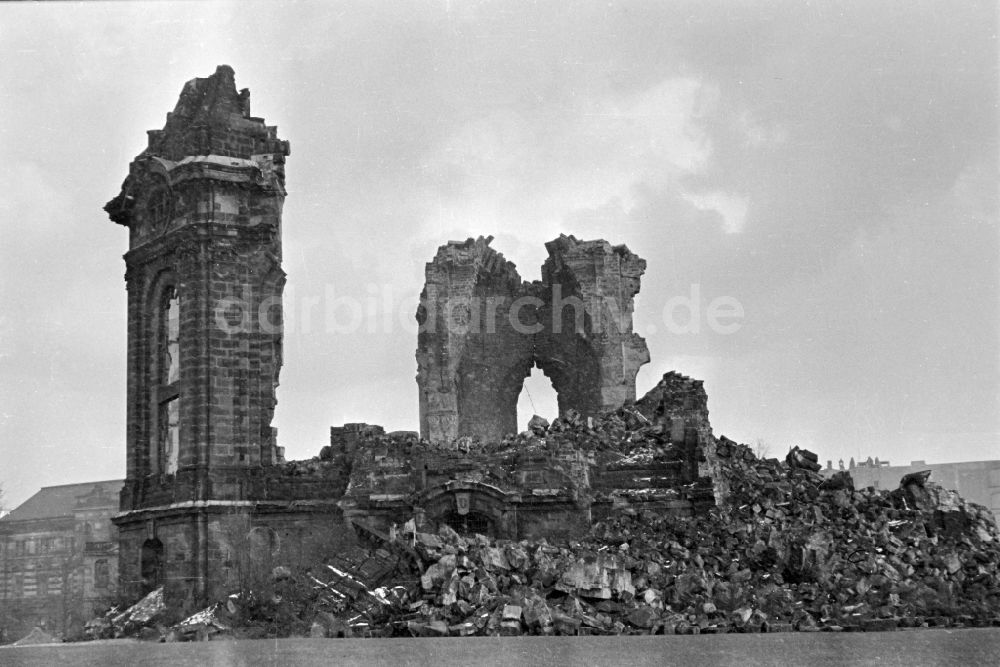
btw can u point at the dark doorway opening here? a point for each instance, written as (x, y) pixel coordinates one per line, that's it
(151, 564)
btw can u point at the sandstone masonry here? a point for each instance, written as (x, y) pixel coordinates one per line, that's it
(483, 329)
(202, 204)
(208, 497)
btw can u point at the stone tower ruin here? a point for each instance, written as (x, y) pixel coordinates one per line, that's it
(202, 204)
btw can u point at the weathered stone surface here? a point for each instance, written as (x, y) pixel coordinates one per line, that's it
(601, 522)
(551, 481)
(203, 206)
(482, 329)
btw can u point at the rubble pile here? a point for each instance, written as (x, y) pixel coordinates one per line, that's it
(765, 545)
(788, 550)
(135, 620)
(344, 597)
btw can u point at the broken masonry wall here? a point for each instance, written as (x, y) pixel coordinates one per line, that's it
(508, 491)
(246, 546)
(210, 118)
(538, 520)
(344, 440)
(645, 457)
(589, 350)
(678, 406)
(482, 330)
(470, 361)
(204, 553)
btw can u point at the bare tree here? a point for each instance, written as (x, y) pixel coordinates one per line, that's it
(761, 448)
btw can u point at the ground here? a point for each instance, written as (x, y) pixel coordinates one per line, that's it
(918, 647)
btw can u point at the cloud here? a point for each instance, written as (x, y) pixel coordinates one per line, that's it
(732, 208)
(528, 172)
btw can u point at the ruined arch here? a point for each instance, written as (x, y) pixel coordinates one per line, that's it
(487, 395)
(482, 329)
(573, 367)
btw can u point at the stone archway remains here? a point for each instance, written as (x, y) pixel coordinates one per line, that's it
(482, 329)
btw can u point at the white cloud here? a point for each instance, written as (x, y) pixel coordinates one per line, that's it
(732, 208)
(526, 173)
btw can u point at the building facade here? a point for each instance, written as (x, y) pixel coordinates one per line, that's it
(58, 558)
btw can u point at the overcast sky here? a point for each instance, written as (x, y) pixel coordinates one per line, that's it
(832, 168)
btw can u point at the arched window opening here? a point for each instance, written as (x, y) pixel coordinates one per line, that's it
(538, 397)
(168, 407)
(171, 327)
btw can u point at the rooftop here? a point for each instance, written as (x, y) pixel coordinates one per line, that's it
(57, 501)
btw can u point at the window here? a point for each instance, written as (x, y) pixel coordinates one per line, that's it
(42, 586)
(18, 585)
(101, 573)
(46, 545)
(19, 549)
(469, 524)
(168, 370)
(169, 361)
(169, 435)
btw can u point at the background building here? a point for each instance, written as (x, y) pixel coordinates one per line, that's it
(976, 481)
(58, 558)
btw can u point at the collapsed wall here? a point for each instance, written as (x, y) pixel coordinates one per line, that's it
(482, 329)
(552, 481)
(784, 550)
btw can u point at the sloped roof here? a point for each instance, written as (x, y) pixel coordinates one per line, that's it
(56, 501)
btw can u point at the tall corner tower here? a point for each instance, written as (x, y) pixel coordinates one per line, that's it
(202, 204)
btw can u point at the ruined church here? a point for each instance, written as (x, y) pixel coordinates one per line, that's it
(205, 476)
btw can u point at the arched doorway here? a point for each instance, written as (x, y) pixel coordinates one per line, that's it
(468, 508)
(151, 564)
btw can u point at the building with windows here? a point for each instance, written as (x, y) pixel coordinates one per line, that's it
(58, 558)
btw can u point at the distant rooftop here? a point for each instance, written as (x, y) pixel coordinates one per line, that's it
(56, 501)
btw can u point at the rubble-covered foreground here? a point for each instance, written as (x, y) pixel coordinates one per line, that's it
(786, 551)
